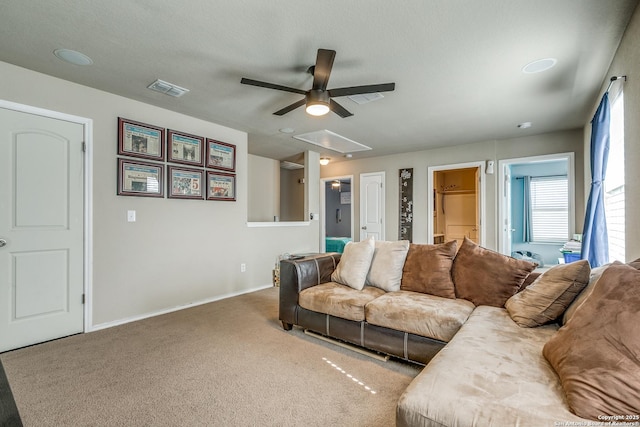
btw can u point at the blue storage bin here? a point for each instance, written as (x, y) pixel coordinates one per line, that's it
(571, 257)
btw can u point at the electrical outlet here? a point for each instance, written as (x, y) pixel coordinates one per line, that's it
(243, 267)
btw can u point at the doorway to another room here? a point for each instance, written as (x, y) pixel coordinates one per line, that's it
(337, 207)
(457, 203)
(537, 209)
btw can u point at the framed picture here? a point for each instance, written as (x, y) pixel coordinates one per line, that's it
(140, 140)
(221, 186)
(221, 155)
(184, 183)
(185, 148)
(140, 179)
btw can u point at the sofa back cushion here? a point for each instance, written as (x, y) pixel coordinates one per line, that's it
(427, 269)
(386, 266)
(597, 353)
(354, 264)
(485, 277)
(549, 295)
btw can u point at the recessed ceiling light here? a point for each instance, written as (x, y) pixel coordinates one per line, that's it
(539, 65)
(524, 125)
(73, 57)
(287, 130)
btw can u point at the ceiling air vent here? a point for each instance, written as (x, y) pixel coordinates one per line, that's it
(365, 98)
(167, 88)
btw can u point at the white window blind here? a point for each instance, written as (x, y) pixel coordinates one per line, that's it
(549, 209)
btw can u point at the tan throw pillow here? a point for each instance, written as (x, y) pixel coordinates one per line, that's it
(354, 264)
(485, 277)
(582, 296)
(549, 295)
(386, 266)
(635, 264)
(428, 269)
(597, 354)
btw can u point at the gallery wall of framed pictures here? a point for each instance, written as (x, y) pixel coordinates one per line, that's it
(195, 167)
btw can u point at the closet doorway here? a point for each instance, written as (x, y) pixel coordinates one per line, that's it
(457, 203)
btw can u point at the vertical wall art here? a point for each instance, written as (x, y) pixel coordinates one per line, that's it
(406, 205)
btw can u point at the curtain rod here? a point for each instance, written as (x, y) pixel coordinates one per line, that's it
(613, 79)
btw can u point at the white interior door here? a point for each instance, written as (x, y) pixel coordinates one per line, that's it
(507, 230)
(41, 228)
(372, 205)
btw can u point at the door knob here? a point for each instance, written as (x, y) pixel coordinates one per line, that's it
(364, 227)
(3, 243)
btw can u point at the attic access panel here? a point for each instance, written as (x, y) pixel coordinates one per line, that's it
(332, 141)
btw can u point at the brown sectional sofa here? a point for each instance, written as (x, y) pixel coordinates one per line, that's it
(313, 274)
(482, 368)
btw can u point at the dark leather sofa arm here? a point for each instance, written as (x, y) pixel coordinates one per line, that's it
(297, 275)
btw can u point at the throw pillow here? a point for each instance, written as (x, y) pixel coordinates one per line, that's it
(354, 264)
(597, 354)
(582, 296)
(635, 264)
(428, 269)
(386, 266)
(549, 295)
(485, 277)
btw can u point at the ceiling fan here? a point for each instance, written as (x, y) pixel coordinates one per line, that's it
(318, 99)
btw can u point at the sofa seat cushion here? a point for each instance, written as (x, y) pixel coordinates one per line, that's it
(417, 313)
(492, 373)
(338, 300)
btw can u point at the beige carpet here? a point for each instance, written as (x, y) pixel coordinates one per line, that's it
(227, 363)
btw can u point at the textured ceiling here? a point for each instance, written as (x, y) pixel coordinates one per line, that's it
(456, 63)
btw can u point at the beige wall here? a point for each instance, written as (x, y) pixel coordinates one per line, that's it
(292, 190)
(186, 251)
(626, 62)
(558, 142)
(264, 188)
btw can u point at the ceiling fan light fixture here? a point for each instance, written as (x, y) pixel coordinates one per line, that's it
(317, 103)
(317, 109)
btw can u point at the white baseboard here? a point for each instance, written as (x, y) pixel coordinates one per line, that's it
(172, 309)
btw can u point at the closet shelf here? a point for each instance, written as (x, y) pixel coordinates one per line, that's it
(457, 192)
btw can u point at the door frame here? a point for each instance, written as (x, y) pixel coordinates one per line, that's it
(504, 199)
(323, 208)
(87, 125)
(481, 196)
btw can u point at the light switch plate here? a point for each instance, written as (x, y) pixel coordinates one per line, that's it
(131, 216)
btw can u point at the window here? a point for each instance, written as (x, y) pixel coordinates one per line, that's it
(549, 201)
(614, 198)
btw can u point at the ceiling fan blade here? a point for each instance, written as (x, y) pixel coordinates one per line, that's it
(291, 107)
(339, 109)
(258, 83)
(357, 90)
(322, 70)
